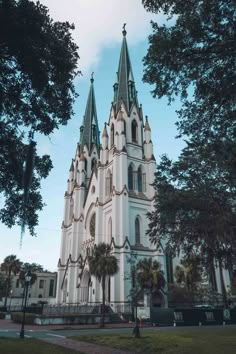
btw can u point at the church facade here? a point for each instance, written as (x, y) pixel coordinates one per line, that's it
(109, 192)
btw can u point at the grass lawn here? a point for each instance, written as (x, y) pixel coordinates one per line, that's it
(31, 346)
(204, 341)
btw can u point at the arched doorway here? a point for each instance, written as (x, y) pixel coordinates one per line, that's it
(84, 287)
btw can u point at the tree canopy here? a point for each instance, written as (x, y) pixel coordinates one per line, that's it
(10, 266)
(150, 276)
(195, 51)
(193, 57)
(38, 63)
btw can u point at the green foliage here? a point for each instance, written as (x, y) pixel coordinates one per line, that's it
(33, 267)
(150, 276)
(102, 263)
(194, 210)
(11, 265)
(18, 317)
(196, 50)
(189, 273)
(38, 65)
(194, 57)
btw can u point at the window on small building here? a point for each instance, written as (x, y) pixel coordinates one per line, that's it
(41, 284)
(112, 134)
(17, 283)
(51, 287)
(137, 231)
(134, 131)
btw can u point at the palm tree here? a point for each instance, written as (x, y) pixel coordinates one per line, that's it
(188, 274)
(102, 264)
(11, 265)
(150, 276)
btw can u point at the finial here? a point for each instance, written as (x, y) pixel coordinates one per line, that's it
(92, 79)
(147, 126)
(124, 31)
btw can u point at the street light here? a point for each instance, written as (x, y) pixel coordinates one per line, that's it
(28, 277)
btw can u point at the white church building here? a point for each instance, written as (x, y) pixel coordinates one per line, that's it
(109, 192)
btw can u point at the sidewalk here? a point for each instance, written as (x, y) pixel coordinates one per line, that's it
(8, 324)
(84, 347)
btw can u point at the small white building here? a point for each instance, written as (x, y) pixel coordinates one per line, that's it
(109, 192)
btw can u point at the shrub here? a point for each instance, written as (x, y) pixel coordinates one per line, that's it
(18, 317)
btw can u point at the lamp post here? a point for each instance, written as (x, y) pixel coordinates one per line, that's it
(28, 277)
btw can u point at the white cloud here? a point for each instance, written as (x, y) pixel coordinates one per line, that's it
(99, 24)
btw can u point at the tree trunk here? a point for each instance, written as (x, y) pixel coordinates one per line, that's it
(103, 301)
(222, 283)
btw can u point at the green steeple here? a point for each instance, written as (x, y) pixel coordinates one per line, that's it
(89, 132)
(124, 86)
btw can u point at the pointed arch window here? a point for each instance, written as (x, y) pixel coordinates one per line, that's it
(94, 164)
(109, 183)
(124, 128)
(137, 230)
(140, 179)
(130, 178)
(109, 230)
(71, 209)
(112, 134)
(134, 131)
(85, 165)
(92, 225)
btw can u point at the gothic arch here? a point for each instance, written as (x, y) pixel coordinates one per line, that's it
(93, 163)
(134, 131)
(71, 208)
(140, 179)
(89, 213)
(85, 164)
(109, 230)
(131, 176)
(84, 287)
(92, 225)
(138, 230)
(112, 134)
(108, 187)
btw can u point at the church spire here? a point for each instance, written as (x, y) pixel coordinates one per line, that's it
(124, 87)
(89, 132)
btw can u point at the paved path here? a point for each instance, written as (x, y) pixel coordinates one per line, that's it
(84, 347)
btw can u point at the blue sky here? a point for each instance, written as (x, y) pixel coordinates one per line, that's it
(99, 35)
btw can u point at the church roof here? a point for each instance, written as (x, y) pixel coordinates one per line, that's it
(124, 87)
(89, 131)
